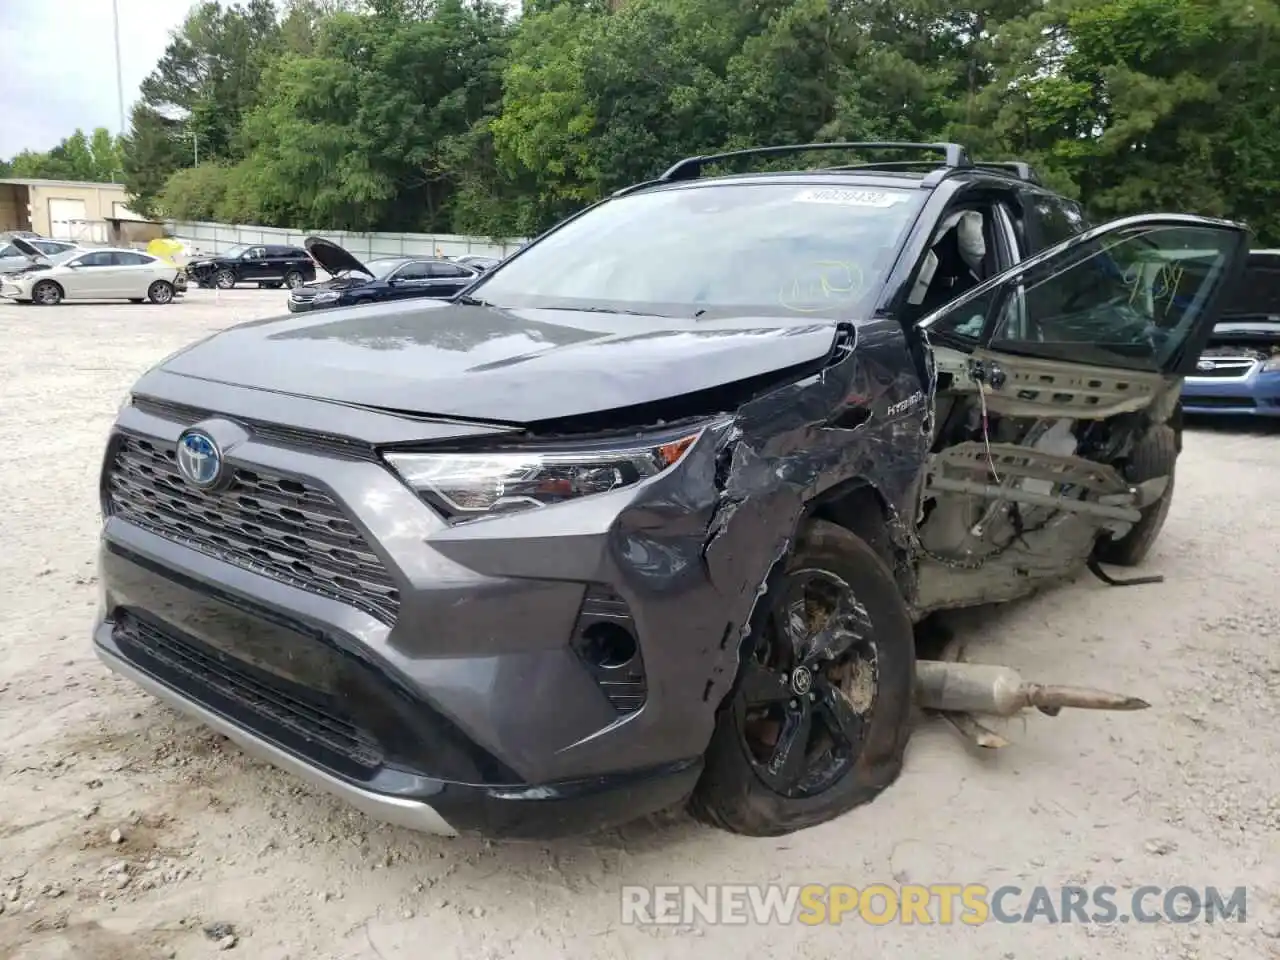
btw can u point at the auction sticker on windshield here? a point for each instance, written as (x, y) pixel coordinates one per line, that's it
(851, 198)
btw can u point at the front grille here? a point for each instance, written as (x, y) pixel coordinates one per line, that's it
(1232, 368)
(276, 526)
(230, 686)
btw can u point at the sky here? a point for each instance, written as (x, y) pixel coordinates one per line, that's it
(60, 64)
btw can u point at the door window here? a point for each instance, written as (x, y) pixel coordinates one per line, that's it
(101, 258)
(1053, 219)
(1130, 296)
(133, 259)
(442, 269)
(412, 271)
(255, 253)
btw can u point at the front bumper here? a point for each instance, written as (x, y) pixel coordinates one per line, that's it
(307, 306)
(1254, 394)
(470, 709)
(435, 806)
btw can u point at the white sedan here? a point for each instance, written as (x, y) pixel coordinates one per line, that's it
(112, 274)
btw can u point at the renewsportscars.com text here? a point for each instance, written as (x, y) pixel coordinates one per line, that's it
(940, 903)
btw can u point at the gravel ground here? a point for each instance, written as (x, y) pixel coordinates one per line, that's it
(126, 830)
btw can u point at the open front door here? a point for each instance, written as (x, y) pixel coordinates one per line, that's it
(1096, 325)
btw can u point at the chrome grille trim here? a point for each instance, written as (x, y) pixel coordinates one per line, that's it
(326, 443)
(276, 526)
(1225, 368)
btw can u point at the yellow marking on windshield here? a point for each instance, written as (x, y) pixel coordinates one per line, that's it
(832, 281)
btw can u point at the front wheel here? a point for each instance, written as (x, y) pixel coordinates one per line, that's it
(225, 280)
(293, 279)
(46, 293)
(1154, 455)
(160, 292)
(819, 717)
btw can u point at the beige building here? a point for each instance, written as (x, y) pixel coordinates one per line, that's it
(66, 209)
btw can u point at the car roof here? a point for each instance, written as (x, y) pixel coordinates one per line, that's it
(881, 179)
(928, 166)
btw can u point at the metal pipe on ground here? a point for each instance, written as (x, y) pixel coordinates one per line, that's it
(979, 688)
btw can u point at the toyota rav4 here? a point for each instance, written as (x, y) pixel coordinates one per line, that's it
(648, 513)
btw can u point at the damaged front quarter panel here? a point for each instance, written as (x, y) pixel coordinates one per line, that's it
(693, 552)
(855, 430)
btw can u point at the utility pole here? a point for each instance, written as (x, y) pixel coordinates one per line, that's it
(115, 25)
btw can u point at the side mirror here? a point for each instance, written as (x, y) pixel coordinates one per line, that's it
(74, 266)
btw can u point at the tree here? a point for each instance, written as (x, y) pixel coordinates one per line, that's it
(359, 133)
(78, 157)
(150, 155)
(448, 115)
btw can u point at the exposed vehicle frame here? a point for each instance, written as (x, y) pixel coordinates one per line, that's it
(530, 563)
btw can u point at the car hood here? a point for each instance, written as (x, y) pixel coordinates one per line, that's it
(29, 249)
(332, 257)
(492, 364)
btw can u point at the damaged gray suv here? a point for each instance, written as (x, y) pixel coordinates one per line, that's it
(648, 513)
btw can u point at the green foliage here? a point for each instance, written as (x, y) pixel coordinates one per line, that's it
(449, 115)
(96, 158)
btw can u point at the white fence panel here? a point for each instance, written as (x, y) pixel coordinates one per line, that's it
(212, 238)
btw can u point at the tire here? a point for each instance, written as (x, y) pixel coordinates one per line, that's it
(735, 792)
(224, 280)
(294, 279)
(47, 293)
(160, 292)
(1154, 455)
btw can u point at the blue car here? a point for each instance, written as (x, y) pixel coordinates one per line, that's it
(380, 280)
(1239, 370)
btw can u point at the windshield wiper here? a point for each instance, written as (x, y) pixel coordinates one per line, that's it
(629, 313)
(469, 301)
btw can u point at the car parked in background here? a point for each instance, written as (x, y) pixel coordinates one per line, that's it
(380, 280)
(103, 274)
(478, 263)
(1239, 371)
(265, 264)
(13, 259)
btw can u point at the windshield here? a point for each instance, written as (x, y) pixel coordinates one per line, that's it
(235, 251)
(1258, 293)
(771, 249)
(382, 266)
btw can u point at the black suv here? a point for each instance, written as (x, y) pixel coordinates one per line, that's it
(648, 511)
(266, 264)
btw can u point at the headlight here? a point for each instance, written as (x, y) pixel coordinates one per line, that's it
(465, 486)
(1271, 364)
(328, 296)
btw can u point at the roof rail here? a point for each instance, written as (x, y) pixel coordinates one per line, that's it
(689, 168)
(1023, 171)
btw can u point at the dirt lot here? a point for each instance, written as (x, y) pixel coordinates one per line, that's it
(125, 829)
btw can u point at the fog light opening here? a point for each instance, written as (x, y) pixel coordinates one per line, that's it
(607, 645)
